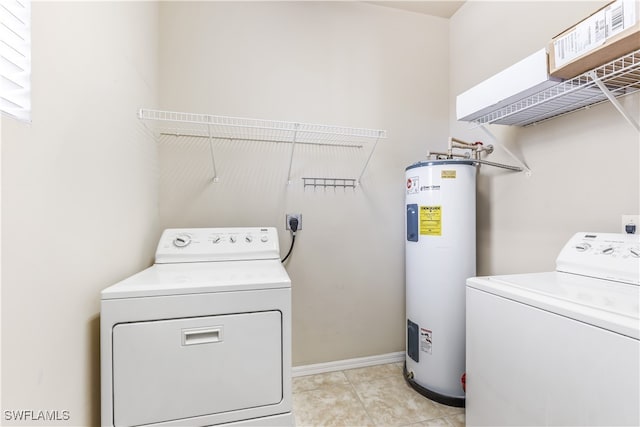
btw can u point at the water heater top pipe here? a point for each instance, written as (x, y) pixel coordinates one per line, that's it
(477, 148)
(457, 143)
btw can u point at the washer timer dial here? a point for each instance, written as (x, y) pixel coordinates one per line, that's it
(582, 247)
(182, 240)
(608, 250)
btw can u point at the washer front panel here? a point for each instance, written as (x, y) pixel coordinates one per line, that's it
(174, 369)
(202, 337)
(529, 366)
(150, 309)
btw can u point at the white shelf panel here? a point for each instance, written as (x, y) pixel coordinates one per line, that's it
(621, 77)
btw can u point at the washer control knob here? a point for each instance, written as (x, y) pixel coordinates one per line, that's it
(581, 247)
(216, 239)
(248, 238)
(608, 250)
(264, 238)
(635, 252)
(232, 239)
(182, 240)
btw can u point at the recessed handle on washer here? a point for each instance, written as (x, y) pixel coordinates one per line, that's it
(202, 335)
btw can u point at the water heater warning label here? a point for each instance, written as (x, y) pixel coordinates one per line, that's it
(431, 220)
(413, 184)
(426, 340)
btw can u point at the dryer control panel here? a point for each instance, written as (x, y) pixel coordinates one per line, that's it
(178, 245)
(609, 256)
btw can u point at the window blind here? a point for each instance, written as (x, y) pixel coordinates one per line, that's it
(15, 58)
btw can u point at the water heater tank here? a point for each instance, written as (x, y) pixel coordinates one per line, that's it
(440, 256)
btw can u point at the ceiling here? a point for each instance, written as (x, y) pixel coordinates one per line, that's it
(443, 9)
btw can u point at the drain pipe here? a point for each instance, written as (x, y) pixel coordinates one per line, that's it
(499, 165)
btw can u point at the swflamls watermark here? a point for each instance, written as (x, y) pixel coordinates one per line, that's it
(36, 415)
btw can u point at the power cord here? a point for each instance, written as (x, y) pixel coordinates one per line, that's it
(293, 225)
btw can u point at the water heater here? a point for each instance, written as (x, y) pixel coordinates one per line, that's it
(440, 256)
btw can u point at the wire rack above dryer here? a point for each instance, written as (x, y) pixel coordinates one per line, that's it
(214, 127)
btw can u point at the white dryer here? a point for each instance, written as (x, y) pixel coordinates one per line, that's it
(202, 337)
(558, 348)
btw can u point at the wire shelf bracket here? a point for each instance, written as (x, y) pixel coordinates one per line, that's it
(611, 97)
(490, 134)
(213, 158)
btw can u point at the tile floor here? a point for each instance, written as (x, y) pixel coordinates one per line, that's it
(372, 396)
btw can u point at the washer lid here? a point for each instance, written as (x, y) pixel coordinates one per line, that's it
(201, 277)
(603, 303)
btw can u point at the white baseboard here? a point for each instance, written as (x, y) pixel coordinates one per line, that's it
(340, 365)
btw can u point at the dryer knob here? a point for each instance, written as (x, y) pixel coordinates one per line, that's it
(248, 238)
(232, 239)
(182, 240)
(264, 238)
(635, 252)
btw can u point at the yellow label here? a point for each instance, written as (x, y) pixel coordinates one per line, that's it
(448, 174)
(431, 220)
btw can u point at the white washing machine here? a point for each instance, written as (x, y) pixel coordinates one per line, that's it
(202, 337)
(558, 348)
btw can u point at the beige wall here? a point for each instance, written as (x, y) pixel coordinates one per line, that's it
(339, 63)
(585, 165)
(79, 199)
(85, 192)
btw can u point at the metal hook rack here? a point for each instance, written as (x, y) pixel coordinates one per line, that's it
(330, 182)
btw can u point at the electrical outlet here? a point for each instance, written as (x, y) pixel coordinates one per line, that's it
(630, 219)
(296, 216)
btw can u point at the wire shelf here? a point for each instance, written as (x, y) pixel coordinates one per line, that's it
(244, 129)
(621, 77)
(237, 128)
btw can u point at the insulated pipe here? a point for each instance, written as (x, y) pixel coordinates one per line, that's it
(477, 147)
(453, 140)
(457, 143)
